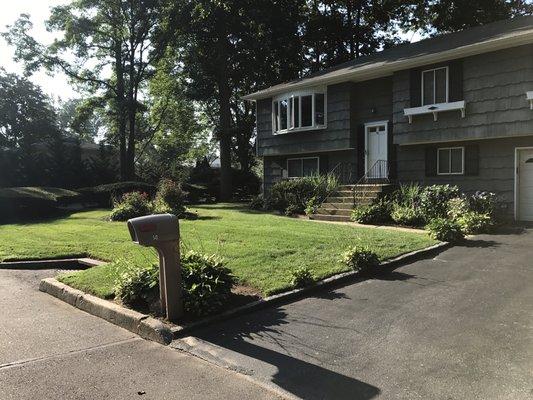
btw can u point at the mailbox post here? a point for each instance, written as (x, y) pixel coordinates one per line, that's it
(162, 232)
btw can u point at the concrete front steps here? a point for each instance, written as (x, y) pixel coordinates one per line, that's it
(338, 207)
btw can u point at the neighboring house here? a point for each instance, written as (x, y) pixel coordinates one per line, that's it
(454, 109)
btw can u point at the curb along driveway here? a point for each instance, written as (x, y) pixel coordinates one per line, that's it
(51, 350)
(457, 326)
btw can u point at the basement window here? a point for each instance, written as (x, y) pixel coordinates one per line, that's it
(451, 161)
(298, 167)
(299, 111)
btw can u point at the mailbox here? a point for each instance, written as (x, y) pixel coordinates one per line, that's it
(162, 232)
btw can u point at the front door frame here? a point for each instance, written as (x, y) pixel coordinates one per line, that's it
(516, 179)
(370, 125)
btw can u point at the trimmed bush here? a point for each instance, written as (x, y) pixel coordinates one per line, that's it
(376, 213)
(302, 277)
(434, 200)
(360, 258)
(131, 205)
(257, 203)
(483, 202)
(457, 207)
(106, 195)
(408, 195)
(169, 198)
(444, 230)
(296, 193)
(408, 216)
(206, 284)
(473, 222)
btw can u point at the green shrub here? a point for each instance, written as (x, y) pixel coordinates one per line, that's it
(472, 222)
(169, 198)
(292, 210)
(483, 202)
(312, 206)
(360, 258)
(434, 200)
(206, 284)
(106, 195)
(457, 207)
(296, 193)
(408, 216)
(137, 287)
(444, 230)
(131, 205)
(408, 195)
(377, 213)
(257, 203)
(302, 277)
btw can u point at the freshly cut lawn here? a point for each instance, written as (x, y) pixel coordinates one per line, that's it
(261, 249)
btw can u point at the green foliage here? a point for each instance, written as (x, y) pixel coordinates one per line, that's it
(472, 222)
(445, 230)
(377, 213)
(302, 277)
(131, 205)
(312, 206)
(457, 207)
(295, 194)
(257, 203)
(408, 195)
(169, 198)
(207, 283)
(360, 258)
(483, 202)
(407, 216)
(137, 287)
(434, 200)
(105, 195)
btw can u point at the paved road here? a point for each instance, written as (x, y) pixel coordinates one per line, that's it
(50, 350)
(459, 326)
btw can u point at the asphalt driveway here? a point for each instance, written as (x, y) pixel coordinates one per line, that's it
(51, 350)
(458, 326)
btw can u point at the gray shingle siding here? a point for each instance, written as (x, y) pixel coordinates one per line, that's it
(494, 87)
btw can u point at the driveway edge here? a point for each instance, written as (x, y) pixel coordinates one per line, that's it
(285, 297)
(143, 325)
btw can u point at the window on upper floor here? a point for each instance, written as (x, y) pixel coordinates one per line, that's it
(435, 86)
(299, 111)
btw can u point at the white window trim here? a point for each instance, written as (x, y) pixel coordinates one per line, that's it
(435, 85)
(372, 125)
(529, 97)
(290, 116)
(450, 159)
(302, 158)
(517, 151)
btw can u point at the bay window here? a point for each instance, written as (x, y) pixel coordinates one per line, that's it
(299, 111)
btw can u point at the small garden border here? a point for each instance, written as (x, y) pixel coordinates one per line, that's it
(154, 329)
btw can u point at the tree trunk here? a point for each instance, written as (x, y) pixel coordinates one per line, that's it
(225, 141)
(121, 112)
(358, 29)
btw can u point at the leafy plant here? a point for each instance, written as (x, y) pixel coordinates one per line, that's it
(434, 200)
(297, 193)
(302, 277)
(312, 206)
(131, 205)
(445, 230)
(408, 216)
(457, 207)
(169, 198)
(376, 213)
(257, 203)
(360, 258)
(408, 195)
(206, 284)
(483, 202)
(473, 222)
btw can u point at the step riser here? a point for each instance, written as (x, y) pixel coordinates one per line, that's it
(339, 206)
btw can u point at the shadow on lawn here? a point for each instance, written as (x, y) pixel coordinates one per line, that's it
(301, 378)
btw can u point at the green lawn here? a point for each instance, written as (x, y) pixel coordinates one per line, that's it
(261, 249)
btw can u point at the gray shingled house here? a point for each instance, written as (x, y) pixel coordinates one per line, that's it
(454, 109)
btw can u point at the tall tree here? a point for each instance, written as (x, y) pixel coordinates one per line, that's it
(105, 47)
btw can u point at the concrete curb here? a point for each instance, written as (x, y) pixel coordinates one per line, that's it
(285, 297)
(143, 325)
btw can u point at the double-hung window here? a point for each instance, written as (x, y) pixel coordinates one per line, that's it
(298, 167)
(435, 86)
(299, 111)
(451, 161)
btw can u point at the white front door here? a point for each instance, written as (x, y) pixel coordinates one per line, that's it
(376, 144)
(525, 185)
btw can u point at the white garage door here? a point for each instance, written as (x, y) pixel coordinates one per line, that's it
(525, 185)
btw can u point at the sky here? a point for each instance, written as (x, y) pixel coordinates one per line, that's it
(56, 86)
(39, 10)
